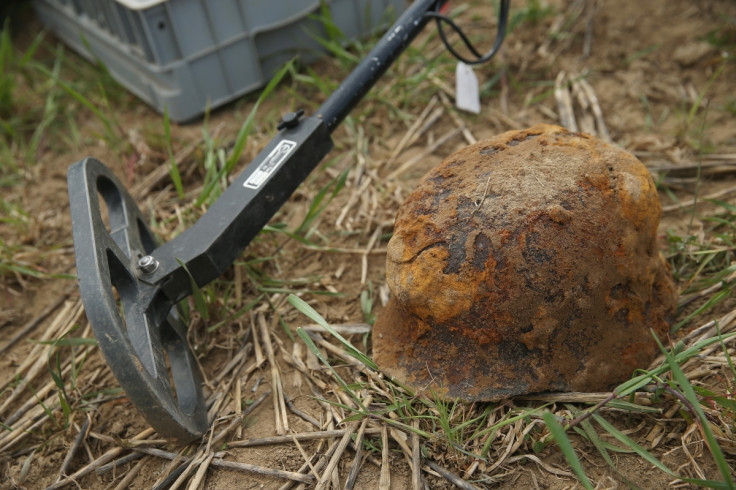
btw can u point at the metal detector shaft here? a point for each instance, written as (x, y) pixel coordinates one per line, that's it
(130, 287)
(373, 66)
(209, 247)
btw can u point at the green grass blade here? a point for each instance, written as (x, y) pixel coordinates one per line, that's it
(200, 303)
(247, 126)
(563, 442)
(689, 392)
(307, 310)
(313, 347)
(104, 118)
(173, 167)
(637, 382)
(646, 455)
(631, 444)
(725, 352)
(632, 407)
(337, 184)
(727, 403)
(230, 318)
(68, 341)
(712, 301)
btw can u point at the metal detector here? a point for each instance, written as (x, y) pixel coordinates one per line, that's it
(142, 336)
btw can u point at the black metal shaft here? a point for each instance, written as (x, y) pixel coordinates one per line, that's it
(213, 243)
(210, 246)
(375, 64)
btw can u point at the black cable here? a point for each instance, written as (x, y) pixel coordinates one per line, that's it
(503, 17)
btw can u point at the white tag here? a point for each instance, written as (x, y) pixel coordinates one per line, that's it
(268, 166)
(467, 97)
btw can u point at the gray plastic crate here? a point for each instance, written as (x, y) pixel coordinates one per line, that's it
(186, 54)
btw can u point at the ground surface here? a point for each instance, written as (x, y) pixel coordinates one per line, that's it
(659, 74)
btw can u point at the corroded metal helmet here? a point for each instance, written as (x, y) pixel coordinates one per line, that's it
(526, 263)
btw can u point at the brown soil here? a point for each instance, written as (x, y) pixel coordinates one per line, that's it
(649, 64)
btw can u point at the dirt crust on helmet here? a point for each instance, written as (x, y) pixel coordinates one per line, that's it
(526, 263)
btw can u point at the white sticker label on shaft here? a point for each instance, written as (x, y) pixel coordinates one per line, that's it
(467, 97)
(268, 166)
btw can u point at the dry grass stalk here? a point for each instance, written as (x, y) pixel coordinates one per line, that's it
(384, 482)
(315, 461)
(341, 328)
(307, 459)
(280, 415)
(256, 344)
(81, 436)
(175, 467)
(416, 460)
(131, 474)
(352, 201)
(427, 123)
(682, 205)
(657, 433)
(238, 407)
(302, 436)
(126, 443)
(564, 103)
(578, 397)
(340, 250)
(42, 393)
(585, 118)
(427, 151)
(508, 444)
(31, 325)
(223, 389)
(469, 138)
(297, 363)
(342, 446)
(217, 462)
(237, 360)
(26, 427)
(359, 456)
(199, 477)
(105, 458)
(364, 260)
(411, 132)
(684, 300)
(690, 173)
(400, 439)
(321, 462)
(37, 358)
(188, 467)
(145, 185)
(710, 329)
(592, 98)
(32, 414)
(471, 470)
(299, 413)
(118, 463)
(685, 442)
(337, 351)
(31, 409)
(449, 476)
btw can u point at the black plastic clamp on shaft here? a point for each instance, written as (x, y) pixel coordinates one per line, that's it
(130, 286)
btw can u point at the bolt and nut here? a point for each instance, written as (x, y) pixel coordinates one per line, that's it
(147, 264)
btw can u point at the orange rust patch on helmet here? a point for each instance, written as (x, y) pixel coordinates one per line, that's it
(522, 264)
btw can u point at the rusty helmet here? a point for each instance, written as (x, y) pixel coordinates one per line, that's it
(526, 263)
